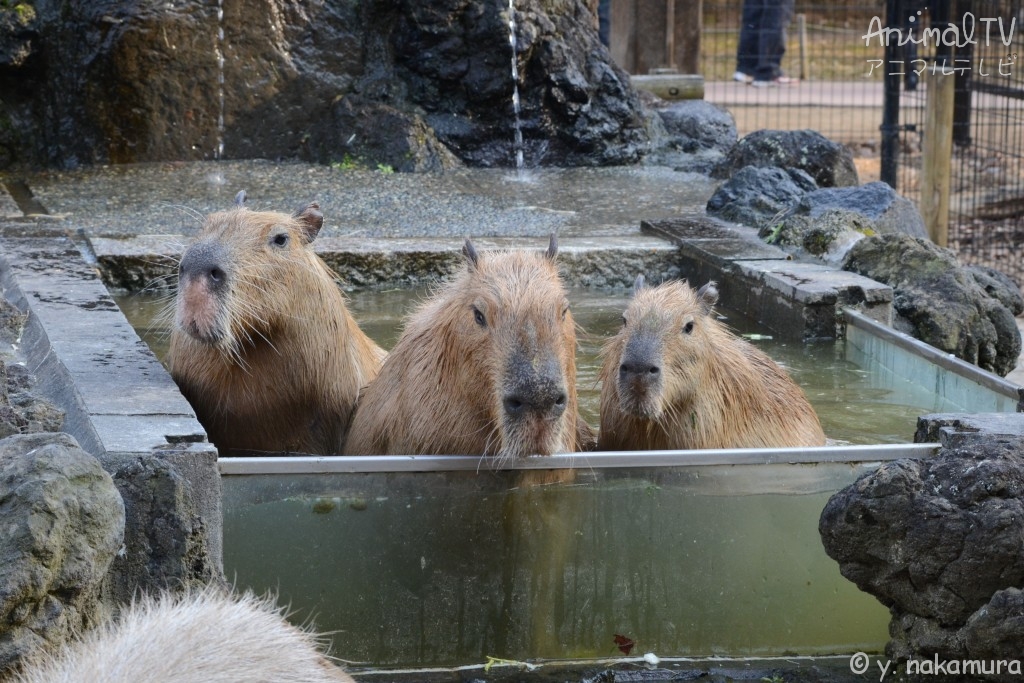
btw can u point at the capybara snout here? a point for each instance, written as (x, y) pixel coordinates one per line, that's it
(535, 389)
(203, 288)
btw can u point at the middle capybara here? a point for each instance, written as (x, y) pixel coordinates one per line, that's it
(675, 377)
(263, 346)
(484, 367)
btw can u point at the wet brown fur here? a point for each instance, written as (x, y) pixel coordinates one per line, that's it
(276, 364)
(717, 390)
(440, 389)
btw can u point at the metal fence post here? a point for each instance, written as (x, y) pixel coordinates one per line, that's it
(890, 127)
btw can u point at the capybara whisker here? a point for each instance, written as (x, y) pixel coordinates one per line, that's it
(263, 344)
(486, 366)
(675, 377)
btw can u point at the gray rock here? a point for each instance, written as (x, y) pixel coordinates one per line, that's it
(164, 532)
(938, 301)
(827, 222)
(116, 94)
(938, 542)
(756, 195)
(697, 125)
(21, 410)
(829, 163)
(63, 523)
(999, 286)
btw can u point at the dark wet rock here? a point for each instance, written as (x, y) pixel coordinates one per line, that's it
(63, 523)
(126, 82)
(938, 542)
(829, 163)
(376, 135)
(999, 286)
(827, 222)
(164, 529)
(689, 135)
(938, 301)
(755, 195)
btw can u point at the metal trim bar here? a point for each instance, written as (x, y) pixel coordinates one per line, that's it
(944, 360)
(341, 464)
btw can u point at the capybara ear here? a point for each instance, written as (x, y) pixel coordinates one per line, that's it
(310, 220)
(639, 283)
(708, 295)
(240, 198)
(469, 251)
(552, 247)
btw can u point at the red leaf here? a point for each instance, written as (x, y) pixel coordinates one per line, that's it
(625, 643)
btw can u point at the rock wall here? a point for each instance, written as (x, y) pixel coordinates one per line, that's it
(327, 81)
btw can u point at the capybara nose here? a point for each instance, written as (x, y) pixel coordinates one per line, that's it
(204, 261)
(545, 403)
(639, 370)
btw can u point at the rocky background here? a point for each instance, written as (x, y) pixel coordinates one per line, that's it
(414, 84)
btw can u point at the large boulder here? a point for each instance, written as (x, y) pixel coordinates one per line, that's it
(827, 222)
(755, 195)
(829, 163)
(110, 81)
(689, 135)
(63, 524)
(940, 302)
(939, 541)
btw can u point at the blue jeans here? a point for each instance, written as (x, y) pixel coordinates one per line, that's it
(763, 38)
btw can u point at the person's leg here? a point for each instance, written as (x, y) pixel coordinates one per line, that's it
(747, 49)
(772, 40)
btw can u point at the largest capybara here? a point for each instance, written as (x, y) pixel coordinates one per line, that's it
(205, 636)
(676, 377)
(263, 346)
(486, 366)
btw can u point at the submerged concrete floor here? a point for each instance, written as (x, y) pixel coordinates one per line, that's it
(171, 198)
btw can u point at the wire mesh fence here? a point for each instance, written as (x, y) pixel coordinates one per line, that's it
(838, 56)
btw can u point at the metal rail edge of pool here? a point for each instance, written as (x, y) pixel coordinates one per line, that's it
(341, 464)
(946, 361)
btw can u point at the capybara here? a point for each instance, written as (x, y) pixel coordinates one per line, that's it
(206, 636)
(485, 366)
(676, 377)
(263, 346)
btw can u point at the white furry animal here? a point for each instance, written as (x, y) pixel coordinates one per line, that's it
(204, 636)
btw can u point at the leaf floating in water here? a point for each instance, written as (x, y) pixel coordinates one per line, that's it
(625, 643)
(754, 336)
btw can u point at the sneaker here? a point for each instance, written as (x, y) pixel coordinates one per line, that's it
(741, 77)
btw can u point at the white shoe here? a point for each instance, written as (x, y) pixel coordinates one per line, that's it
(741, 77)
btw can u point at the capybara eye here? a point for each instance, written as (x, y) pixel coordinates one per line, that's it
(565, 311)
(479, 317)
(624, 321)
(688, 327)
(280, 239)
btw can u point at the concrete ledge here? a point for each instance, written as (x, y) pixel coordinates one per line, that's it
(149, 262)
(796, 299)
(120, 403)
(953, 430)
(671, 86)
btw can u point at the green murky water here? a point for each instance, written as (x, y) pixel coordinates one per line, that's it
(856, 402)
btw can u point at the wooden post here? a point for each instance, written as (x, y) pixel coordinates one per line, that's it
(801, 28)
(670, 33)
(937, 153)
(688, 26)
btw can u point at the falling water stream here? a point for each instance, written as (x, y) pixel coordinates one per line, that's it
(517, 146)
(218, 51)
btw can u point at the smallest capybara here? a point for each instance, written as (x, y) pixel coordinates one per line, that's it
(205, 635)
(675, 377)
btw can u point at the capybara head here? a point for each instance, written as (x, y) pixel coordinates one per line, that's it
(676, 377)
(236, 280)
(663, 342)
(486, 366)
(264, 346)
